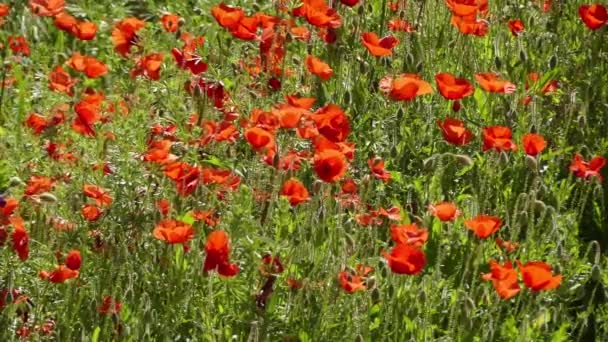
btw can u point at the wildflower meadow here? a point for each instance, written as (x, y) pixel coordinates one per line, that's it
(303, 170)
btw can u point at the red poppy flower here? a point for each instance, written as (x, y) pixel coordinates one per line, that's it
(124, 35)
(37, 123)
(409, 234)
(351, 283)
(47, 8)
(148, 66)
(498, 138)
(483, 225)
(507, 246)
(91, 213)
(537, 276)
(65, 22)
(218, 249)
(594, 16)
(349, 3)
(445, 211)
(295, 191)
(109, 306)
(454, 132)
(379, 47)
(330, 165)
(399, 24)
(504, 279)
(317, 67)
(170, 22)
(453, 88)
(18, 44)
(227, 16)
(164, 206)
(38, 184)
(464, 8)
(60, 81)
(548, 88)
(73, 260)
(405, 259)
(7, 209)
(185, 177)
(173, 232)
(59, 275)
(405, 87)
(4, 11)
(318, 14)
(490, 82)
(260, 139)
(470, 25)
(84, 30)
(20, 238)
(100, 195)
(377, 167)
(533, 144)
(516, 26)
(91, 67)
(332, 122)
(586, 170)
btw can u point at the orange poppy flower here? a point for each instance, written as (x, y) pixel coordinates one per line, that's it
(38, 184)
(470, 25)
(405, 259)
(170, 22)
(295, 191)
(109, 306)
(498, 138)
(349, 186)
(91, 212)
(65, 22)
(246, 29)
(377, 167)
(399, 24)
(453, 88)
(507, 246)
(537, 276)
(19, 44)
(405, 87)
(465, 8)
(454, 132)
(490, 82)
(124, 35)
(159, 151)
(317, 67)
(594, 16)
(586, 170)
(533, 144)
(185, 177)
(89, 65)
(60, 81)
(85, 30)
(318, 14)
(217, 250)
(330, 165)
(393, 213)
(260, 139)
(300, 33)
(73, 260)
(4, 11)
(20, 238)
(548, 88)
(148, 66)
(379, 47)
(226, 16)
(164, 206)
(351, 283)
(332, 122)
(409, 234)
(516, 27)
(483, 225)
(59, 275)
(47, 8)
(504, 279)
(173, 232)
(100, 195)
(445, 211)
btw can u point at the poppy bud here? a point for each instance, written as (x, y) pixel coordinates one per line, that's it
(553, 62)
(504, 159)
(580, 292)
(542, 190)
(15, 181)
(375, 295)
(429, 163)
(350, 241)
(347, 96)
(456, 106)
(540, 206)
(559, 251)
(497, 62)
(47, 197)
(463, 159)
(522, 55)
(598, 191)
(582, 120)
(371, 283)
(531, 163)
(596, 273)
(359, 338)
(469, 307)
(523, 219)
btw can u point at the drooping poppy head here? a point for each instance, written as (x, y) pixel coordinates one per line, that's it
(409, 234)
(405, 259)
(173, 232)
(379, 47)
(124, 35)
(73, 260)
(586, 170)
(516, 27)
(317, 67)
(453, 88)
(445, 211)
(492, 83)
(330, 165)
(217, 250)
(537, 276)
(170, 22)
(498, 138)
(295, 191)
(484, 225)
(504, 279)
(533, 144)
(594, 16)
(454, 132)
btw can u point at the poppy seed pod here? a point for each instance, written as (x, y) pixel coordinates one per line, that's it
(596, 273)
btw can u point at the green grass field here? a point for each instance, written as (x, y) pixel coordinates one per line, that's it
(303, 170)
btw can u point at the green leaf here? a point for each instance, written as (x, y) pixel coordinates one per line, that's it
(96, 333)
